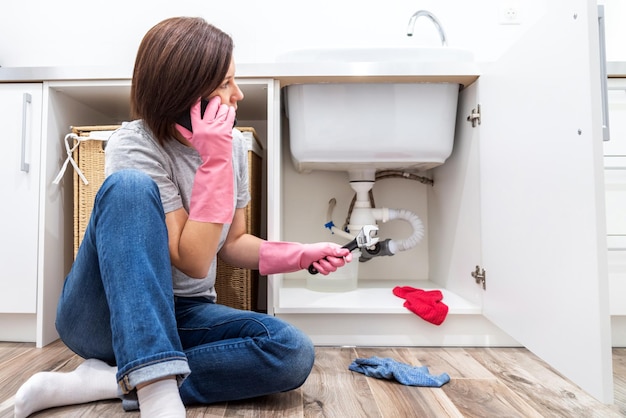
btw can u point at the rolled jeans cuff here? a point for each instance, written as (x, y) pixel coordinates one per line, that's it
(155, 371)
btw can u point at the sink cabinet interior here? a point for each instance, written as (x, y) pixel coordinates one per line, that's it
(445, 259)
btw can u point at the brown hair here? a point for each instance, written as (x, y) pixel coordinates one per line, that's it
(179, 60)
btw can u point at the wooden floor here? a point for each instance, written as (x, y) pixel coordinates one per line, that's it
(485, 382)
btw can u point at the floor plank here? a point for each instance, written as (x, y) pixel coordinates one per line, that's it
(286, 404)
(540, 385)
(619, 379)
(455, 361)
(333, 391)
(212, 411)
(485, 382)
(11, 350)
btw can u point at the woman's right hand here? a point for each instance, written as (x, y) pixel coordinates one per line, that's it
(212, 195)
(212, 133)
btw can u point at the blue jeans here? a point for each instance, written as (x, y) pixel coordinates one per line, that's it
(118, 306)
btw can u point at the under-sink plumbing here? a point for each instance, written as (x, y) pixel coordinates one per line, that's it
(363, 213)
(433, 19)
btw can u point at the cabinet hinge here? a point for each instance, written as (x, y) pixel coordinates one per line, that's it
(474, 116)
(480, 276)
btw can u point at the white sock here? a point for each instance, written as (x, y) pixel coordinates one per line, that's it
(93, 380)
(161, 399)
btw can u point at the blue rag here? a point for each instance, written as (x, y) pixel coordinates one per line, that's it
(387, 368)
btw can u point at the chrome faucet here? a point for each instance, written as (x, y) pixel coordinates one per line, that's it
(426, 13)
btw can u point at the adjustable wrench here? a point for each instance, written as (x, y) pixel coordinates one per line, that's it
(365, 238)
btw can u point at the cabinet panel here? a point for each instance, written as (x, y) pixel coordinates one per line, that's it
(617, 280)
(615, 193)
(543, 226)
(616, 146)
(615, 190)
(20, 118)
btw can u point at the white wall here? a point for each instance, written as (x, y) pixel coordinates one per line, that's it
(72, 32)
(615, 15)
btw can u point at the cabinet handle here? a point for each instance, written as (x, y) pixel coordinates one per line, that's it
(603, 74)
(27, 99)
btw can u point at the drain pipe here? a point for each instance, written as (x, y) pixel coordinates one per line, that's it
(384, 247)
(391, 246)
(362, 213)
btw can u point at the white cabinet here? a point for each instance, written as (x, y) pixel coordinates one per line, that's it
(543, 217)
(37, 221)
(615, 180)
(34, 256)
(20, 118)
(522, 196)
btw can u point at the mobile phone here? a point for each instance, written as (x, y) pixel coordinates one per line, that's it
(185, 119)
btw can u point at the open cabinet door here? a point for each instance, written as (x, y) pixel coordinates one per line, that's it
(543, 227)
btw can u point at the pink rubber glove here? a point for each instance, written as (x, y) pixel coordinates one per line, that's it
(212, 194)
(287, 257)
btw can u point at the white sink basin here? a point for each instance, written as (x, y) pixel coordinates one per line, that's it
(353, 126)
(372, 121)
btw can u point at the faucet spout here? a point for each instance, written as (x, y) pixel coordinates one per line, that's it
(433, 18)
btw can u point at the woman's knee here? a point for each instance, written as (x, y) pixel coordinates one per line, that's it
(129, 183)
(129, 191)
(297, 354)
(92, 341)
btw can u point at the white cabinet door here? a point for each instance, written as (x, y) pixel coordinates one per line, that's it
(615, 147)
(615, 181)
(20, 118)
(543, 227)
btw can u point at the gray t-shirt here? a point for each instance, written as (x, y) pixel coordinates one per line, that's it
(173, 167)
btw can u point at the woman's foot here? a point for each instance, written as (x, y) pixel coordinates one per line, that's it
(161, 399)
(93, 380)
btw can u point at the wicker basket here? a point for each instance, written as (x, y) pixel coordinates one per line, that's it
(89, 156)
(236, 287)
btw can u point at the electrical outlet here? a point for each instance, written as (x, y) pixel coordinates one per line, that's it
(510, 13)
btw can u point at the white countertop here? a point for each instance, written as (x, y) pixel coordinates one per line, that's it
(288, 73)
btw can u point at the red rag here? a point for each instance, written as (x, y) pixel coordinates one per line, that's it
(427, 304)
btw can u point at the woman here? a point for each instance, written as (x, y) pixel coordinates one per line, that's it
(139, 302)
